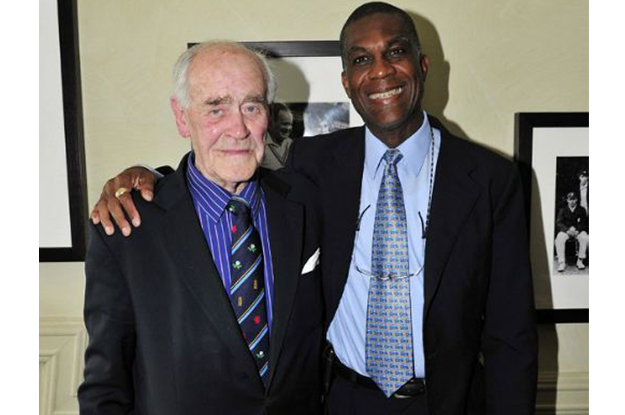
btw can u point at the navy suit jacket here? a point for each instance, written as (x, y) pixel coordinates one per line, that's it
(479, 332)
(163, 338)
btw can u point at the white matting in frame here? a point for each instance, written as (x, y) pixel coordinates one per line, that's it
(54, 215)
(312, 79)
(308, 72)
(62, 177)
(552, 289)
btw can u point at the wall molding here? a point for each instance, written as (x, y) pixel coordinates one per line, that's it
(563, 393)
(62, 343)
(47, 374)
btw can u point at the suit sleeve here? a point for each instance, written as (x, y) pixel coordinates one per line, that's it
(108, 383)
(302, 159)
(165, 170)
(561, 225)
(509, 336)
(584, 222)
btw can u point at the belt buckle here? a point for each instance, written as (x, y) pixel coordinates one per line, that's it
(399, 396)
(419, 391)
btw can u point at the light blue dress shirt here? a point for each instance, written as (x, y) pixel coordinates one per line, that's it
(347, 330)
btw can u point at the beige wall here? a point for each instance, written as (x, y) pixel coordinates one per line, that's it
(490, 59)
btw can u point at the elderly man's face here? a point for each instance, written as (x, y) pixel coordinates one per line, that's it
(384, 76)
(227, 116)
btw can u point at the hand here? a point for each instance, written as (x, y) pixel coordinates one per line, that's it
(133, 178)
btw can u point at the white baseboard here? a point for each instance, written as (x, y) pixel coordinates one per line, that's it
(62, 343)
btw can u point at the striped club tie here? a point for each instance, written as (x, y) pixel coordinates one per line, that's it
(247, 291)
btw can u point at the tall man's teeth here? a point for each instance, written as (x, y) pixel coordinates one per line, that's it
(387, 94)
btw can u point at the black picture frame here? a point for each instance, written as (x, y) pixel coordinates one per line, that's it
(524, 155)
(74, 137)
(287, 49)
(294, 48)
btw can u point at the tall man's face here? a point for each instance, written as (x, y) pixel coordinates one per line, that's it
(384, 76)
(227, 116)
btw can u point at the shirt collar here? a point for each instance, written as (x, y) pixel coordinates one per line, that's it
(213, 198)
(413, 150)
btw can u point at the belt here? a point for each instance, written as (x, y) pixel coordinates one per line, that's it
(414, 387)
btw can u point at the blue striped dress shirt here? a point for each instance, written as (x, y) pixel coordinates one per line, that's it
(210, 202)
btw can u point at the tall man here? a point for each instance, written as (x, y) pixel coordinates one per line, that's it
(583, 190)
(426, 272)
(194, 314)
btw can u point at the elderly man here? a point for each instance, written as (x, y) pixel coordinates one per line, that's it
(211, 307)
(426, 275)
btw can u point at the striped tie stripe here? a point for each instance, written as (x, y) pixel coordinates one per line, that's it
(259, 337)
(245, 276)
(263, 370)
(252, 307)
(241, 241)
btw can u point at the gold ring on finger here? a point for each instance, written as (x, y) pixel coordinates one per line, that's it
(119, 192)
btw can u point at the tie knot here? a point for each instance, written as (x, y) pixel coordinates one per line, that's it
(392, 156)
(238, 207)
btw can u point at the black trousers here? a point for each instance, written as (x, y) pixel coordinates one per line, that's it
(347, 398)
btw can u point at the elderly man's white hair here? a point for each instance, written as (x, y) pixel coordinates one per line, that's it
(181, 69)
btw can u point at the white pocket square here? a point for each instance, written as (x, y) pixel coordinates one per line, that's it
(312, 262)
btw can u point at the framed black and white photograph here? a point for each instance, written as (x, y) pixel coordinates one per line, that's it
(309, 85)
(572, 212)
(552, 151)
(314, 118)
(62, 179)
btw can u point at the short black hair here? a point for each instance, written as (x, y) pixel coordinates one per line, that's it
(374, 7)
(572, 196)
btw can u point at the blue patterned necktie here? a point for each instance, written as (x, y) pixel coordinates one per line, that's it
(247, 290)
(389, 351)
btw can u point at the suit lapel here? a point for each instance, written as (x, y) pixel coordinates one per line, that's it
(454, 196)
(285, 222)
(184, 240)
(342, 202)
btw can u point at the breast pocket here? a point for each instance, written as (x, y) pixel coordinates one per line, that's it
(307, 307)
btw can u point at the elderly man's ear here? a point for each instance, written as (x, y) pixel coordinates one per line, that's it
(181, 117)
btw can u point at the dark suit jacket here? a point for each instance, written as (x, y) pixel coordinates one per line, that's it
(163, 336)
(577, 218)
(478, 290)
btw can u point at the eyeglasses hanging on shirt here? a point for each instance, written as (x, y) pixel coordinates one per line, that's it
(424, 224)
(366, 271)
